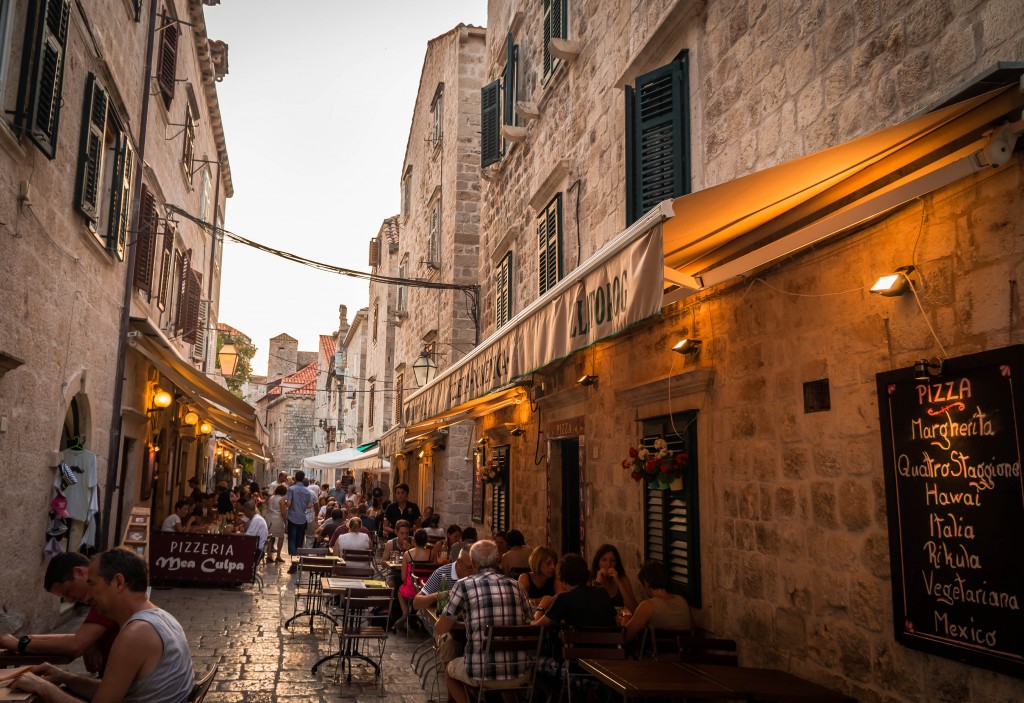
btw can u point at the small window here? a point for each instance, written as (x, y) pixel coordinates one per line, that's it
(376, 319)
(399, 382)
(189, 146)
(503, 291)
(817, 397)
(511, 87)
(371, 405)
(5, 41)
(204, 197)
(434, 236)
(554, 28)
(403, 290)
(407, 191)
(167, 60)
(437, 116)
(549, 243)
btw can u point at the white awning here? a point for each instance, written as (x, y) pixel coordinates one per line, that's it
(331, 460)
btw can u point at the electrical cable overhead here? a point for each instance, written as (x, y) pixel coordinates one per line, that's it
(329, 268)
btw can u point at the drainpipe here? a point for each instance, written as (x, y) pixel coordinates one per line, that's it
(113, 451)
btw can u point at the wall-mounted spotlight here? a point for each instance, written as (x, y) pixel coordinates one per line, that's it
(438, 446)
(925, 369)
(586, 380)
(893, 284)
(482, 441)
(517, 431)
(687, 345)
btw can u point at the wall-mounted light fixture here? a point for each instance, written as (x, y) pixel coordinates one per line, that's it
(586, 380)
(482, 441)
(925, 369)
(227, 357)
(439, 446)
(517, 431)
(204, 428)
(161, 399)
(687, 345)
(893, 284)
(191, 418)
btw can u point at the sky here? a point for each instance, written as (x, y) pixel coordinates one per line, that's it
(316, 108)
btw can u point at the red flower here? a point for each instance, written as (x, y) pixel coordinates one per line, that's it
(665, 468)
(682, 458)
(626, 464)
(637, 477)
(652, 465)
(633, 453)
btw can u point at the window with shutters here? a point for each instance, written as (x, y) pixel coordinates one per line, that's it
(172, 279)
(181, 305)
(399, 393)
(189, 146)
(106, 163)
(657, 138)
(671, 521)
(42, 76)
(192, 307)
(165, 278)
(145, 248)
(5, 43)
(376, 319)
(167, 59)
(407, 191)
(403, 290)
(199, 343)
(554, 28)
(433, 259)
(371, 404)
(490, 123)
(437, 116)
(549, 244)
(500, 499)
(503, 291)
(204, 198)
(511, 81)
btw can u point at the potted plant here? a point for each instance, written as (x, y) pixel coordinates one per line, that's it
(660, 467)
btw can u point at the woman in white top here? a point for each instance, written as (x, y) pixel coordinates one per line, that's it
(355, 538)
(276, 515)
(662, 609)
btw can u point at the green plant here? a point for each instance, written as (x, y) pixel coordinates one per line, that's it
(243, 368)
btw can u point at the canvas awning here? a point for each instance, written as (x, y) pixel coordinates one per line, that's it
(733, 228)
(224, 410)
(370, 462)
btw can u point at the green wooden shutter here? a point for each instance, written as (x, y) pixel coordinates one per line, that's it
(193, 302)
(490, 123)
(146, 244)
(671, 519)
(39, 94)
(181, 316)
(167, 61)
(137, 4)
(500, 492)
(511, 79)
(549, 244)
(554, 27)
(503, 288)
(121, 191)
(659, 138)
(92, 149)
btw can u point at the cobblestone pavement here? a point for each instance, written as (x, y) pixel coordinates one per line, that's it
(260, 661)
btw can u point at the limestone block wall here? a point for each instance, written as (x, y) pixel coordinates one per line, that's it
(292, 434)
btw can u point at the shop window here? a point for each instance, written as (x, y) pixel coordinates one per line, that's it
(671, 524)
(549, 244)
(657, 138)
(500, 499)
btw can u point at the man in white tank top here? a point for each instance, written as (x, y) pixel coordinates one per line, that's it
(149, 662)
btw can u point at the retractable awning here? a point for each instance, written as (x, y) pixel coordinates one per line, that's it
(370, 462)
(331, 460)
(225, 411)
(729, 230)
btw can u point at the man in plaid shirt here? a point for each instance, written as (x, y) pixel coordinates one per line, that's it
(486, 598)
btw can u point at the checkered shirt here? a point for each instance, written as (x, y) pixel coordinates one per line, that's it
(489, 598)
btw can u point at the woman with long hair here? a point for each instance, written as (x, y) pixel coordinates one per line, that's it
(606, 570)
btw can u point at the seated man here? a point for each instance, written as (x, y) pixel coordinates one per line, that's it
(150, 659)
(485, 598)
(326, 530)
(66, 578)
(453, 571)
(256, 526)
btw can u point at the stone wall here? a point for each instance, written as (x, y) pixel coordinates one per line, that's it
(292, 433)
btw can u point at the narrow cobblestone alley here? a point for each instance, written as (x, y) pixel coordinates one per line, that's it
(260, 661)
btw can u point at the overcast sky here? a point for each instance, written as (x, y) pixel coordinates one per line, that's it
(316, 108)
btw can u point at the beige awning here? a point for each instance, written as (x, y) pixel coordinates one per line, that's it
(478, 407)
(225, 411)
(727, 230)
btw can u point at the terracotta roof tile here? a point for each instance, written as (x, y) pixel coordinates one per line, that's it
(390, 229)
(328, 345)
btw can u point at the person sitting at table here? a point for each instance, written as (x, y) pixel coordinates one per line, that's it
(485, 598)
(65, 578)
(579, 605)
(468, 539)
(149, 660)
(428, 512)
(661, 609)
(419, 552)
(342, 529)
(518, 555)
(363, 513)
(224, 505)
(181, 520)
(606, 570)
(501, 541)
(433, 526)
(441, 551)
(322, 535)
(540, 580)
(453, 571)
(353, 538)
(400, 543)
(256, 526)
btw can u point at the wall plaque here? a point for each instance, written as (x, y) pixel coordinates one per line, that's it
(955, 501)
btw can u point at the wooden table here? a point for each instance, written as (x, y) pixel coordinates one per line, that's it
(336, 586)
(641, 679)
(10, 659)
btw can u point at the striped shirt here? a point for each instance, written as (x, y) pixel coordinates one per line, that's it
(489, 598)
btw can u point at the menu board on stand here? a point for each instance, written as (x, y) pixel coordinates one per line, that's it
(136, 534)
(955, 502)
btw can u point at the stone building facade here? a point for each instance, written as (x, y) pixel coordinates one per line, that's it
(786, 546)
(353, 401)
(440, 192)
(384, 316)
(289, 407)
(106, 175)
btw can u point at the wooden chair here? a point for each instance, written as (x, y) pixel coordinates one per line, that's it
(365, 622)
(519, 639)
(361, 556)
(516, 571)
(662, 642)
(310, 592)
(707, 650)
(592, 643)
(352, 572)
(201, 685)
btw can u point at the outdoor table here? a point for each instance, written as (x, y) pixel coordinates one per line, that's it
(336, 586)
(642, 679)
(10, 659)
(313, 602)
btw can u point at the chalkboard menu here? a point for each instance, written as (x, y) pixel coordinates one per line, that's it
(955, 500)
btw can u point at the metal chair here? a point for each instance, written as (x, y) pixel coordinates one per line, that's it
(352, 572)
(593, 643)
(519, 639)
(311, 592)
(202, 685)
(364, 622)
(257, 563)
